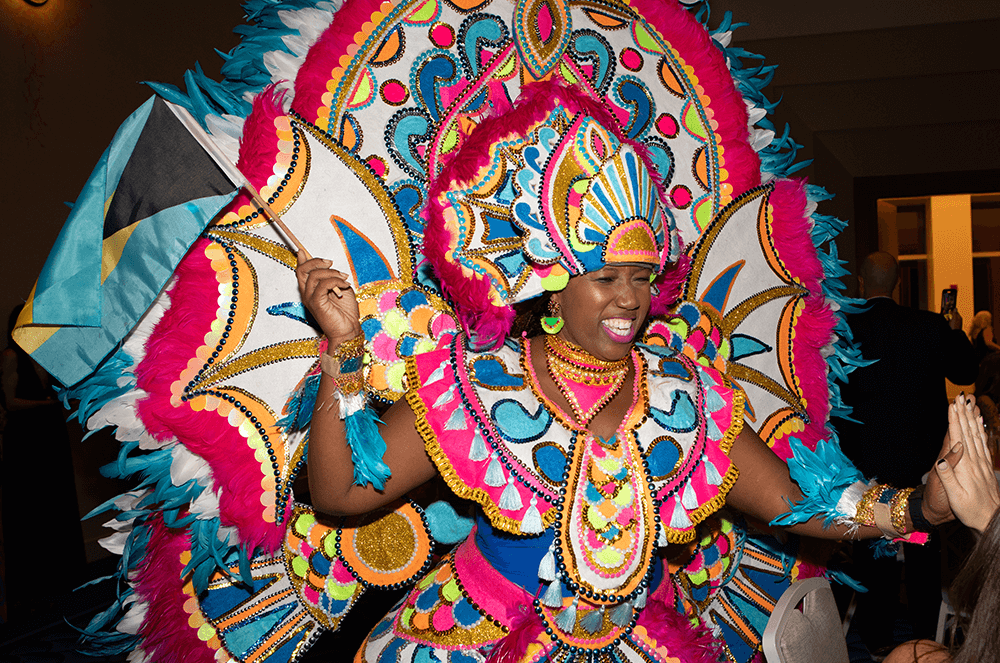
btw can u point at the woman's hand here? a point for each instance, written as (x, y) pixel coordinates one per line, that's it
(966, 471)
(329, 297)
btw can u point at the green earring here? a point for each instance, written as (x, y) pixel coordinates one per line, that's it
(553, 322)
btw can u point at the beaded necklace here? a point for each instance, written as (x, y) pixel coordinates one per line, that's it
(588, 383)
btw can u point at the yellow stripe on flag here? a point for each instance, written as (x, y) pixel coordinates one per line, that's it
(29, 335)
(112, 249)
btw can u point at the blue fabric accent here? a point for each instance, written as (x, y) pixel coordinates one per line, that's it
(516, 558)
(294, 310)
(682, 416)
(662, 457)
(516, 424)
(744, 346)
(719, 291)
(411, 299)
(489, 372)
(367, 262)
(371, 327)
(551, 462)
(445, 525)
(465, 615)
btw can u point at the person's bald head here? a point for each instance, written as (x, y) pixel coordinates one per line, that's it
(879, 274)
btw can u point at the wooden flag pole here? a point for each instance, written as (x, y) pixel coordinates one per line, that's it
(232, 171)
(276, 218)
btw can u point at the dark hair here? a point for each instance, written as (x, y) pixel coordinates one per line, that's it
(975, 596)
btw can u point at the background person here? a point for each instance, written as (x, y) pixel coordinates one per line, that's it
(967, 475)
(900, 412)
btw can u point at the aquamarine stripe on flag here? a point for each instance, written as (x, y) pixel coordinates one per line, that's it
(69, 287)
(154, 250)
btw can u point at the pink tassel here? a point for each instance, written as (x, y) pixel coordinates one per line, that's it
(525, 627)
(167, 635)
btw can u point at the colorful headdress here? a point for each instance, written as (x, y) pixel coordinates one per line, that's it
(548, 190)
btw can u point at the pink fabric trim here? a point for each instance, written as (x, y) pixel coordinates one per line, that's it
(486, 586)
(793, 243)
(167, 635)
(170, 347)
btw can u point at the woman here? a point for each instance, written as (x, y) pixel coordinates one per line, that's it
(981, 335)
(586, 451)
(968, 477)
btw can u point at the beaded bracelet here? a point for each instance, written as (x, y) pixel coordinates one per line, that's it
(344, 364)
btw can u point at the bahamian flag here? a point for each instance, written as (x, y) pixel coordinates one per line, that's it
(152, 193)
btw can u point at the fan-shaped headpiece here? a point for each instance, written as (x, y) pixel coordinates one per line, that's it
(548, 190)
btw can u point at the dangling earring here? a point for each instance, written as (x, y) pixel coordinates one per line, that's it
(553, 322)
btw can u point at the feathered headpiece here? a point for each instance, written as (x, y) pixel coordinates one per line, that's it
(547, 190)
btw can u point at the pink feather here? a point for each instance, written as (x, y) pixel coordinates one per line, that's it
(167, 636)
(793, 242)
(172, 344)
(695, 46)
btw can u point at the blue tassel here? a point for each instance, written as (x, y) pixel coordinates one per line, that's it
(593, 621)
(367, 449)
(553, 595)
(567, 618)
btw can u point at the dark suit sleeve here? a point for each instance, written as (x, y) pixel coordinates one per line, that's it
(960, 357)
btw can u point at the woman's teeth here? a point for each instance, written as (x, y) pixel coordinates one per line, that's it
(618, 327)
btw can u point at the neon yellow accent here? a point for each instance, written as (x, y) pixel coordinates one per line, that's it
(644, 39)
(330, 546)
(567, 73)
(394, 376)
(340, 592)
(423, 13)
(506, 69)
(395, 323)
(609, 556)
(555, 282)
(595, 519)
(304, 523)
(300, 566)
(406, 617)
(450, 141)
(450, 592)
(692, 121)
(625, 495)
(206, 632)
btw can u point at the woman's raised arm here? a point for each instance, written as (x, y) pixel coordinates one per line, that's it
(332, 302)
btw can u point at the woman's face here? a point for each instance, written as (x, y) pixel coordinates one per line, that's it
(603, 310)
